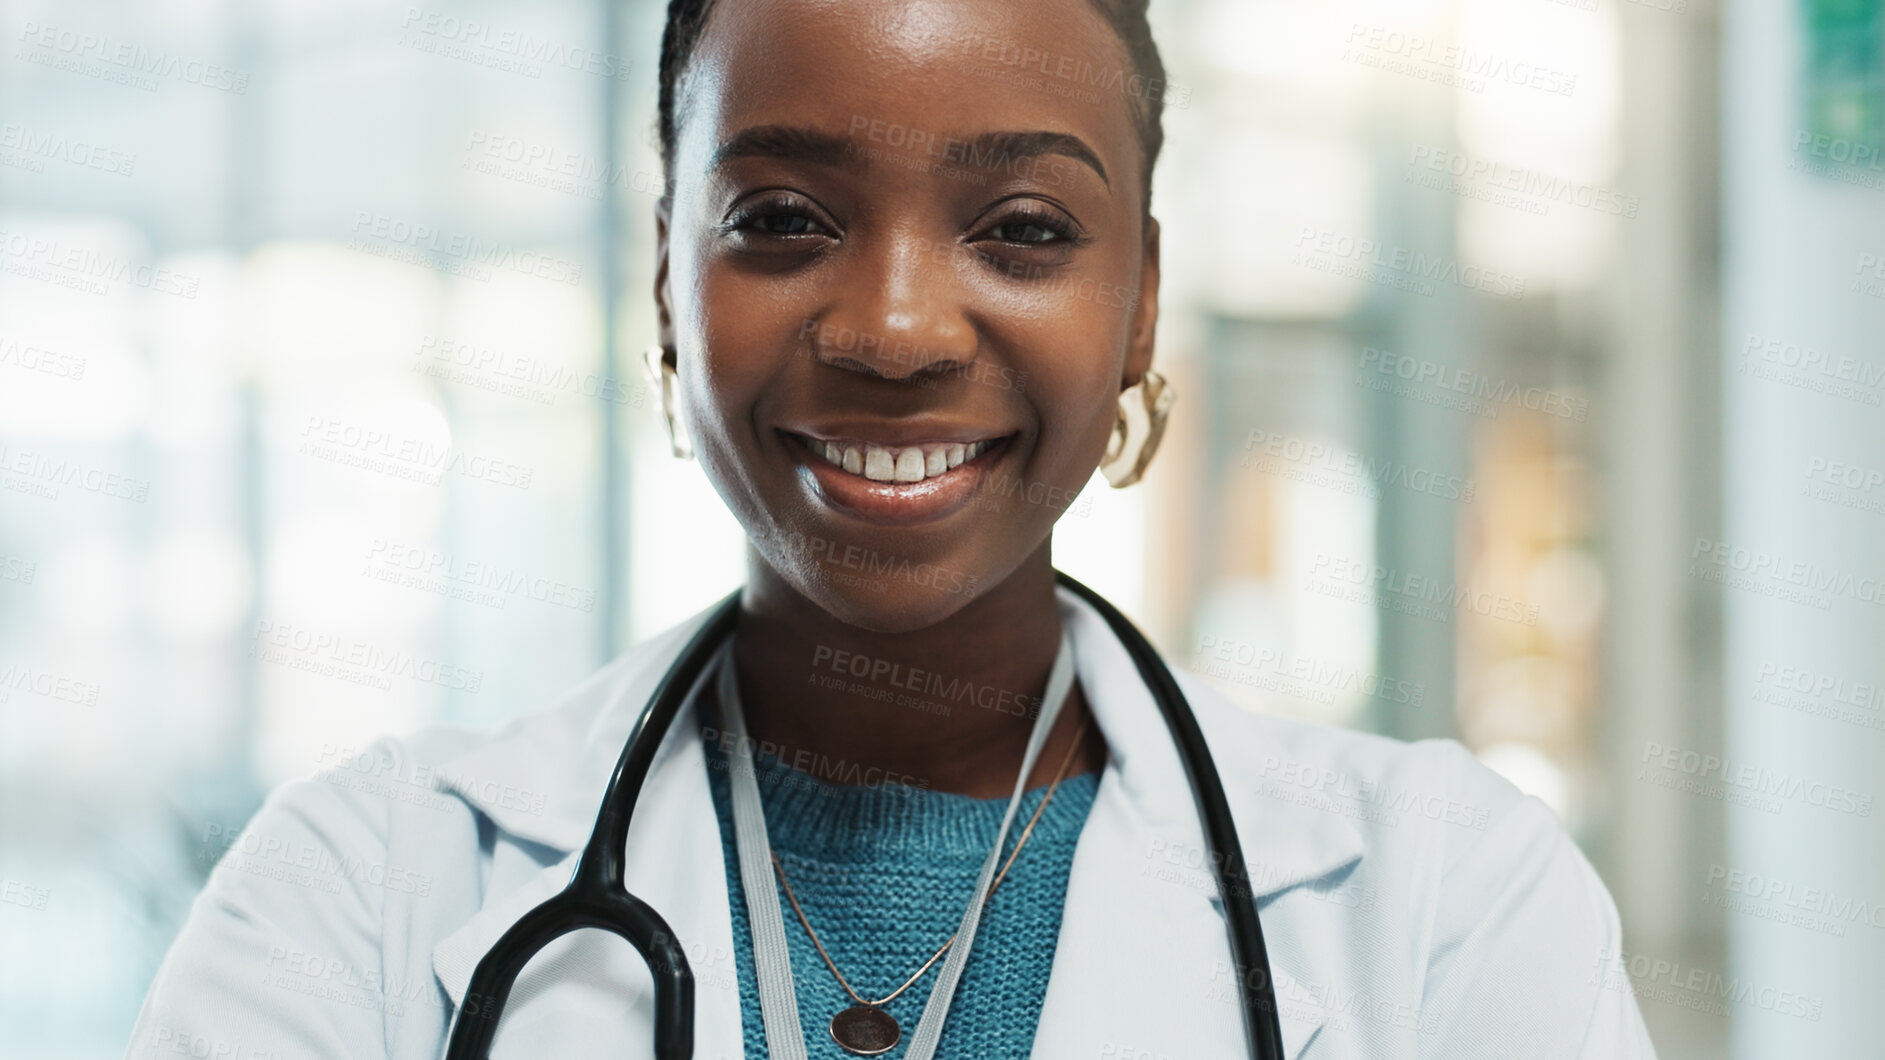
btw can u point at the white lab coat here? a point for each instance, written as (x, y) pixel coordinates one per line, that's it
(1414, 904)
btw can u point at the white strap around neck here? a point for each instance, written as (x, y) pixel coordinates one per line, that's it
(772, 962)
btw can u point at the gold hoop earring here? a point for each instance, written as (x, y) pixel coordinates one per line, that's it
(666, 382)
(1138, 427)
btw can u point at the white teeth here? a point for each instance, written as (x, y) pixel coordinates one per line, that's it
(910, 463)
(879, 465)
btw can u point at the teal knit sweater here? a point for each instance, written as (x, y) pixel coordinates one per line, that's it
(884, 874)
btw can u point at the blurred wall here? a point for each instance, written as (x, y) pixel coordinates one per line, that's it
(1801, 552)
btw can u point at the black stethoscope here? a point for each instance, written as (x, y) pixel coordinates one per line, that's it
(597, 896)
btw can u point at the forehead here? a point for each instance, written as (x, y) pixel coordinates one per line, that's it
(945, 68)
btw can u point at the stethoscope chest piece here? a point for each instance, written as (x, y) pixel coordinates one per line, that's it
(865, 1030)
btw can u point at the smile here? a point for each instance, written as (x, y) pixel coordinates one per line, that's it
(907, 463)
(896, 484)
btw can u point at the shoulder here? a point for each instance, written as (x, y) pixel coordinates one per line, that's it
(367, 830)
(1512, 926)
(319, 898)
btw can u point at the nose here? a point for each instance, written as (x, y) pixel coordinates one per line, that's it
(898, 313)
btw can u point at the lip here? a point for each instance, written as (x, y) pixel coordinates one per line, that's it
(896, 503)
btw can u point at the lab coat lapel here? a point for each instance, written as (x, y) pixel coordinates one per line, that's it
(1143, 964)
(590, 987)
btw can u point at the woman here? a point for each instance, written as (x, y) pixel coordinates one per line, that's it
(907, 287)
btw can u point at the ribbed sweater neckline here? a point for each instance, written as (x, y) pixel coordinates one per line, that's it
(848, 821)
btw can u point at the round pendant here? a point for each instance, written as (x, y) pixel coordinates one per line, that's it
(865, 1030)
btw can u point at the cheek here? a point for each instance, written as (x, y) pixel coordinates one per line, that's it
(1076, 393)
(729, 353)
(1089, 430)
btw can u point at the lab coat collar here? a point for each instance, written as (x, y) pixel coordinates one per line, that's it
(541, 777)
(1285, 843)
(1129, 967)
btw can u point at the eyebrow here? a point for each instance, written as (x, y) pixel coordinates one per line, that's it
(794, 144)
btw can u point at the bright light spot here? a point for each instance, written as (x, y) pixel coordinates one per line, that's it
(1538, 123)
(1545, 129)
(295, 334)
(194, 377)
(1260, 259)
(689, 550)
(199, 585)
(1325, 523)
(1568, 586)
(421, 421)
(108, 403)
(1532, 772)
(1529, 697)
(1287, 41)
(1099, 540)
(317, 565)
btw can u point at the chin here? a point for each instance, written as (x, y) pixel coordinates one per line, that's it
(901, 599)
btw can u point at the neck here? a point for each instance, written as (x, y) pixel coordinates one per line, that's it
(949, 707)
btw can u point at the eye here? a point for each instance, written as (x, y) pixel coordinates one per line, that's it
(1027, 224)
(1025, 232)
(782, 216)
(783, 224)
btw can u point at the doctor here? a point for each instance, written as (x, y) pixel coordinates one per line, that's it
(907, 288)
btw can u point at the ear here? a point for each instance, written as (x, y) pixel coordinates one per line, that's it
(1144, 324)
(664, 310)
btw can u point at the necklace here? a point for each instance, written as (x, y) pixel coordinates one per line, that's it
(772, 963)
(865, 1028)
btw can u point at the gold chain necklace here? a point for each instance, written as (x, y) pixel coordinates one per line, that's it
(865, 1028)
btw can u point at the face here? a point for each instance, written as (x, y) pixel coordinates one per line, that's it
(906, 272)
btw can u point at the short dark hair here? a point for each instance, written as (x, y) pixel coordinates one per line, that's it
(687, 18)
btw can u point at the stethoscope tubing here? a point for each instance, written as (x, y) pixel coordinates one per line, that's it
(1249, 957)
(597, 894)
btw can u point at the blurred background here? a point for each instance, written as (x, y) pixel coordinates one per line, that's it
(1530, 365)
